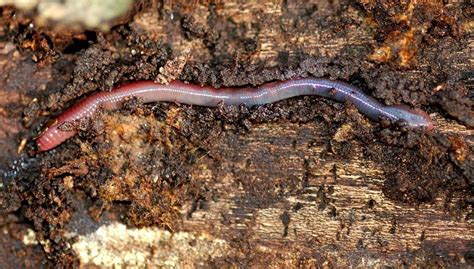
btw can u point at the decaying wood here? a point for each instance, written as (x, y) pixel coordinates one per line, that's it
(327, 211)
(342, 205)
(337, 213)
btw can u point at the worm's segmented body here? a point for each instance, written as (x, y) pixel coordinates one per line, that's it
(180, 92)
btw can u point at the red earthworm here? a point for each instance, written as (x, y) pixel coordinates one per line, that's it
(178, 91)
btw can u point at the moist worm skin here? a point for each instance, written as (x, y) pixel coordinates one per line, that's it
(180, 92)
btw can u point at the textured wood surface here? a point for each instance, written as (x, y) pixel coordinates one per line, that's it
(342, 204)
(283, 198)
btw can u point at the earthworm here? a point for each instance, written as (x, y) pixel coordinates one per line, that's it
(181, 92)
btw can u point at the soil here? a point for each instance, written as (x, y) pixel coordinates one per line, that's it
(148, 165)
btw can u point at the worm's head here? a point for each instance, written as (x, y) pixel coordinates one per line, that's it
(52, 137)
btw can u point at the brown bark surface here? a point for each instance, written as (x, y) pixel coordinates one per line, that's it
(305, 182)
